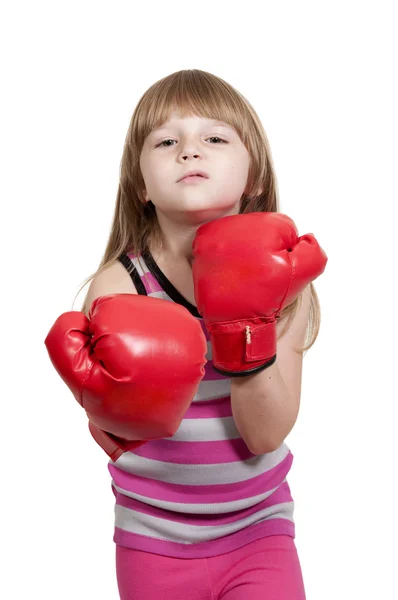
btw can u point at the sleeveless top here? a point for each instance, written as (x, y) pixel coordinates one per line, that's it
(201, 492)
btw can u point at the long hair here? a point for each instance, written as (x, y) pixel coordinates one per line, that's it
(135, 225)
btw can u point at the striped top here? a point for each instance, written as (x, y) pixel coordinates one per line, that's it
(201, 492)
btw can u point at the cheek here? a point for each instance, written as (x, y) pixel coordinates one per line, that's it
(237, 175)
(152, 175)
(239, 166)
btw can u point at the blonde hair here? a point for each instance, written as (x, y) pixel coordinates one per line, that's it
(192, 92)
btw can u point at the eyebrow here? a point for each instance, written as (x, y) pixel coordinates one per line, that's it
(212, 123)
(221, 123)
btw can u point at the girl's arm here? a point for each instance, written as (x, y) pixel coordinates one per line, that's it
(265, 405)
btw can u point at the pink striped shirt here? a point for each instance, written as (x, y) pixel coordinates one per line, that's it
(200, 493)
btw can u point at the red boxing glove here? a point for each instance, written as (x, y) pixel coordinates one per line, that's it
(246, 269)
(134, 365)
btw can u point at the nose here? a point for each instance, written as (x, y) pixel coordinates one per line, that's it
(185, 156)
(189, 149)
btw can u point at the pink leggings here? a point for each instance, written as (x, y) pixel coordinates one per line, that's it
(267, 569)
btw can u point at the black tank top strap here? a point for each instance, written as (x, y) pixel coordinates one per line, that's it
(126, 262)
(167, 286)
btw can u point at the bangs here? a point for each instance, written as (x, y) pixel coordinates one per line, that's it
(191, 93)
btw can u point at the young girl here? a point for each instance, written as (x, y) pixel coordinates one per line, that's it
(214, 289)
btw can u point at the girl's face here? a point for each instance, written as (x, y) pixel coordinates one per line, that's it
(194, 143)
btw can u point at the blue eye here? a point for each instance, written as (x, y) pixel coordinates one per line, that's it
(213, 137)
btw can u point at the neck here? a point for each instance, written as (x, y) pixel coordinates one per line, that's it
(179, 233)
(177, 239)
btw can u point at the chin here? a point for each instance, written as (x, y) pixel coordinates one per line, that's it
(200, 216)
(211, 210)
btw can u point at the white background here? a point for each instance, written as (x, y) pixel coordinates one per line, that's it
(322, 77)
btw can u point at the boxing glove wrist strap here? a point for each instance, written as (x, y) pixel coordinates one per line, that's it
(243, 347)
(113, 446)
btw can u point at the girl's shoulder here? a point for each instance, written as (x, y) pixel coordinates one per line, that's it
(114, 279)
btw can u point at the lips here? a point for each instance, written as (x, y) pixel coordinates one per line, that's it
(195, 173)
